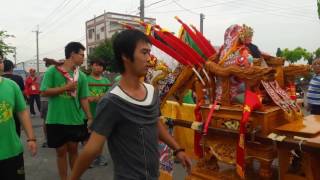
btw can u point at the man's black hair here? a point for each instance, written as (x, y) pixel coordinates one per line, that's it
(125, 44)
(99, 62)
(8, 65)
(74, 47)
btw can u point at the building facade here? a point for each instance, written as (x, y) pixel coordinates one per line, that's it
(104, 26)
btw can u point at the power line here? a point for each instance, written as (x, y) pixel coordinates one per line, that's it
(147, 6)
(200, 7)
(59, 7)
(47, 19)
(63, 17)
(276, 7)
(171, 2)
(221, 3)
(157, 2)
(232, 3)
(257, 11)
(182, 7)
(263, 9)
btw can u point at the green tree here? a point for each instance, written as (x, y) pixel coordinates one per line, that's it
(279, 52)
(309, 57)
(318, 3)
(317, 52)
(314, 55)
(4, 47)
(104, 51)
(292, 56)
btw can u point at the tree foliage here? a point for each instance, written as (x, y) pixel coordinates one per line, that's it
(292, 56)
(318, 3)
(104, 51)
(4, 47)
(317, 53)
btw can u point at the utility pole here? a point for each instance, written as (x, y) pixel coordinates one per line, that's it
(141, 10)
(15, 55)
(201, 22)
(37, 42)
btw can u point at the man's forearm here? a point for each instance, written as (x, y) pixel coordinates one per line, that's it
(91, 150)
(53, 91)
(85, 157)
(26, 123)
(85, 106)
(91, 99)
(165, 137)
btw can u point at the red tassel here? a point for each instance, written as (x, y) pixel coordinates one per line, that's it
(251, 102)
(197, 135)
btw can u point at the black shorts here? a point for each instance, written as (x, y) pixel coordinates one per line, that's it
(58, 134)
(89, 133)
(12, 168)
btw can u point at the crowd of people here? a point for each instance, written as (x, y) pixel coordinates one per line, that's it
(79, 108)
(88, 109)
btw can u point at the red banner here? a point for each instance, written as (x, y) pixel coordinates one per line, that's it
(251, 102)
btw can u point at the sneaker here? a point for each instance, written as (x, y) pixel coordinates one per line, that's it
(102, 161)
(99, 161)
(93, 164)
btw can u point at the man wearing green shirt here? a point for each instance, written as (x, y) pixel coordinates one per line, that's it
(11, 150)
(98, 86)
(67, 89)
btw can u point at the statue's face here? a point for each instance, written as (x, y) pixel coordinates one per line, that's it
(248, 40)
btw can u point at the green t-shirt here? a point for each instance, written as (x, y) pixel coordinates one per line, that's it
(11, 100)
(188, 98)
(97, 91)
(64, 108)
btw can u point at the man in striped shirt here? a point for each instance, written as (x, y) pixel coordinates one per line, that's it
(314, 89)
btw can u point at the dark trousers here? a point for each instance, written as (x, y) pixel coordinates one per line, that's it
(34, 98)
(12, 168)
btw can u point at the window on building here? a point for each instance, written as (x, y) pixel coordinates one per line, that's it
(98, 37)
(102, 29)
(91, 49)
(91, 32)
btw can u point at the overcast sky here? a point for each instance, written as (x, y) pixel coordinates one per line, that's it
(277, 23)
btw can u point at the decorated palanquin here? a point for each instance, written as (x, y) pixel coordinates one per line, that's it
(242, 96)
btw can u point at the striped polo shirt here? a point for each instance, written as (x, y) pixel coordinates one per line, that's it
(314, 91)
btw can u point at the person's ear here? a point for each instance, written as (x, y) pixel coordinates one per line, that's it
(72, 54)
(125, 58)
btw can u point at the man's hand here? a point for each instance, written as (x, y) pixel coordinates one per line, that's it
(32, 147)
(97, 98)
(185, 160)
(70, 86)
(89, 122)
